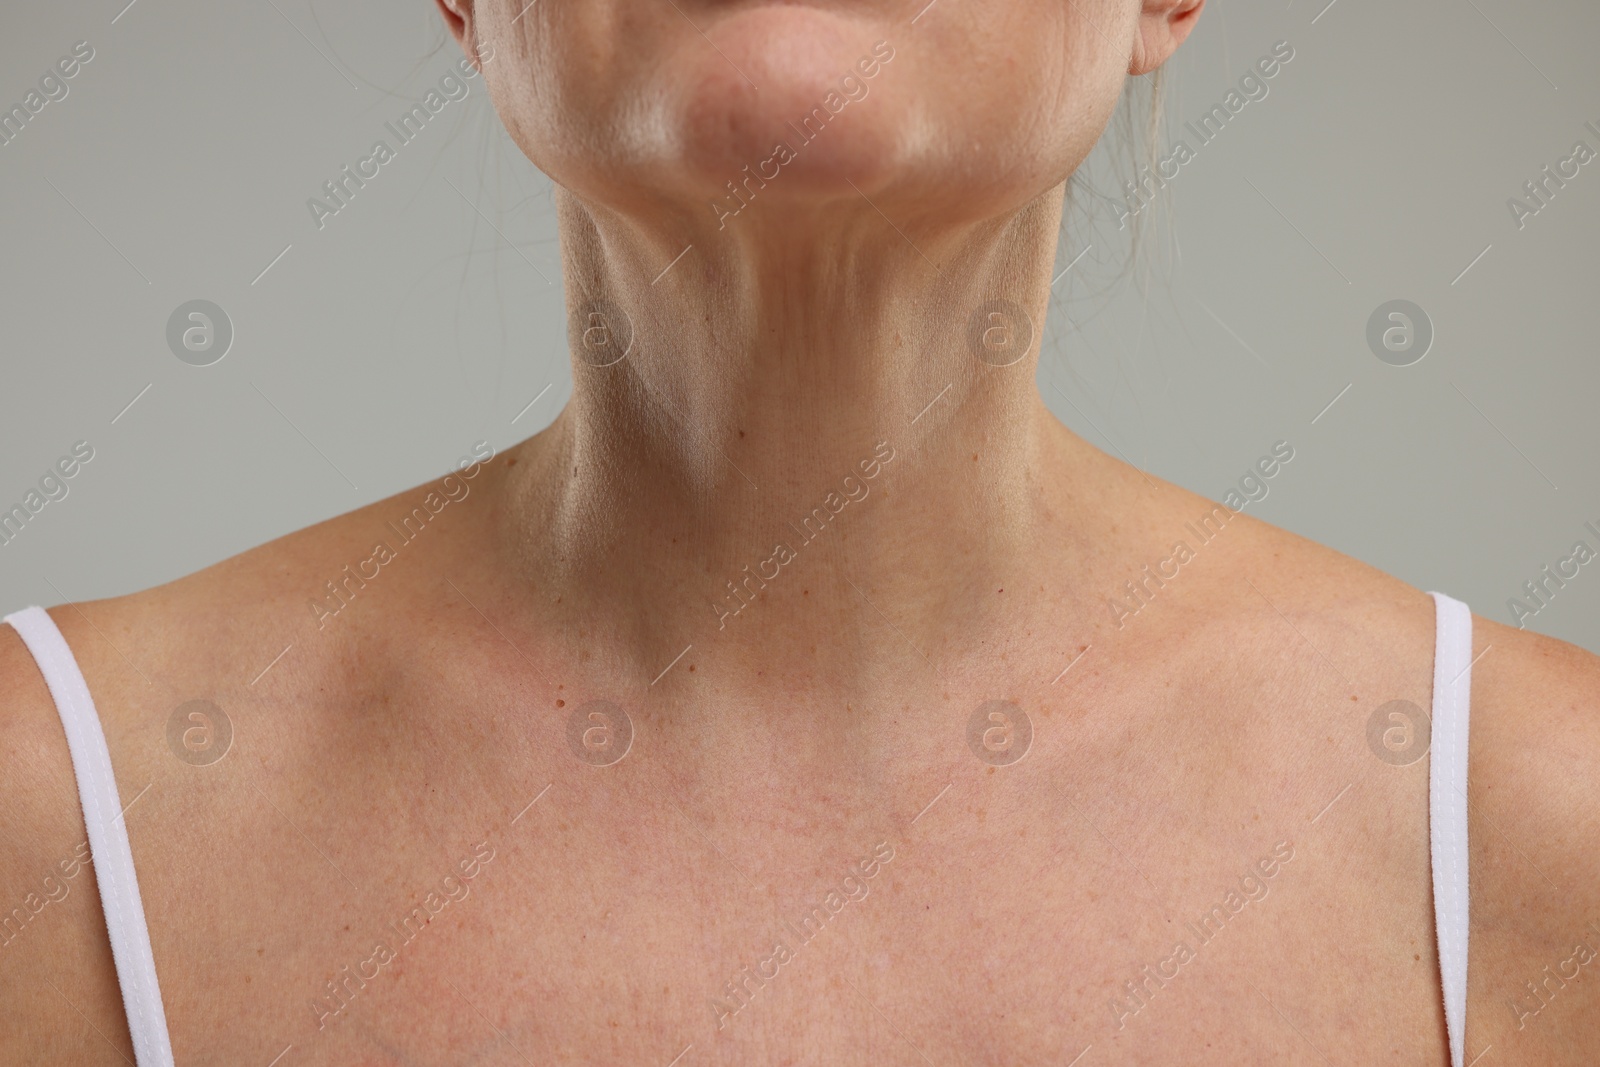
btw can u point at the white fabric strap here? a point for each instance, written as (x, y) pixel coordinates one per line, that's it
(1447, 809)
(108, 837)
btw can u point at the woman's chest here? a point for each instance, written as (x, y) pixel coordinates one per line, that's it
(971, 926)
(942, 882)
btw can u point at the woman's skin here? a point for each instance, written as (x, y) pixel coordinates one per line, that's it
(1177, 753)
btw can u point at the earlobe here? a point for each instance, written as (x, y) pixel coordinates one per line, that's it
(460, 21)
(1163, 26)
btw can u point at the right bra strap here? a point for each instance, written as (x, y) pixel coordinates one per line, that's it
(1447, 809)
(108, 837)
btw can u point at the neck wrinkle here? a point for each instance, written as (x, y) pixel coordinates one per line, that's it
(769, 374)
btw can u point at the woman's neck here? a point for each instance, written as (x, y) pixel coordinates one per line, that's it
(800, 418)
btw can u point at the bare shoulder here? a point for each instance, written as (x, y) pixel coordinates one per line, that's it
(55, 961)
(286, 622)
(1360, 624)
(1534, 779)
(320, 592)
(1533, 782)
(1536, 729)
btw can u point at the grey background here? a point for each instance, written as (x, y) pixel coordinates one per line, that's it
(427, 314)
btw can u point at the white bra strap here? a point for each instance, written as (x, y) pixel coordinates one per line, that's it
(108, 837)
(1447, 809)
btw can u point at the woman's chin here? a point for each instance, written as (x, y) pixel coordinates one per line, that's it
(785, 104)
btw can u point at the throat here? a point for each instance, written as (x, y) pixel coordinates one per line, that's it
(835, 555)
(793, 433)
